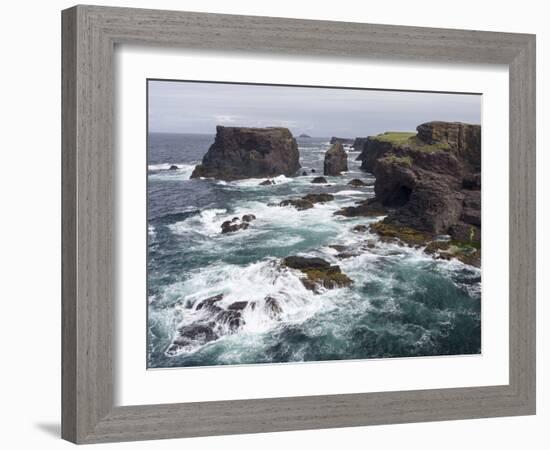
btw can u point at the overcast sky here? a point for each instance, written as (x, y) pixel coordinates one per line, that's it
(188, 107)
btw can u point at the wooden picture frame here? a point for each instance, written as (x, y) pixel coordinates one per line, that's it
(90, 34)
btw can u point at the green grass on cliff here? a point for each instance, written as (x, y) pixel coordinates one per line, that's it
(406, 160)
(406, 138)
(395, 137)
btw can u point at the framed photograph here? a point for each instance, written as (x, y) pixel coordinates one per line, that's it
(265, 229)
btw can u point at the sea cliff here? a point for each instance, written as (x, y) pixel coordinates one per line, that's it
(430, 183)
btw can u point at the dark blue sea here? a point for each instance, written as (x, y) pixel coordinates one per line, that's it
(402, 303)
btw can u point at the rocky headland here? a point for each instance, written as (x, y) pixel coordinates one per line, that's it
(430, 184)
(239, 152)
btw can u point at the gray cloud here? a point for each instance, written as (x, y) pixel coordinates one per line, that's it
(191, 107)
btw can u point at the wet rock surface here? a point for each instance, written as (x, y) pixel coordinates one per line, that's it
(236, 224)
(364, 208)
(318, 273)
(319, 180)
(307, 201)
(356, 182)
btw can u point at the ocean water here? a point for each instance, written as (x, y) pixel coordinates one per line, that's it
(402, 303)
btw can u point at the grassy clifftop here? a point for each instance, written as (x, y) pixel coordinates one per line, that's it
(411, 140)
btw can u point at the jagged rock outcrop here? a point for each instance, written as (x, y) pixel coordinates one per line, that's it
(336, 160)
(236, 224)
(430, 181)
(307, 201)
(318, 273)
(239, 153)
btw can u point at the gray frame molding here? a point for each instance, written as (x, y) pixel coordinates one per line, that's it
(89, 37)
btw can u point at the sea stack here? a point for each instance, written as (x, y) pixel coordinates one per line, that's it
(336, 160)
(240, 152)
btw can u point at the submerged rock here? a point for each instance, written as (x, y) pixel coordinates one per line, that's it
(209, 303)
(364, 208)
(318, 198)
(319, 273)
(240, 152)
(232, 320)
(267, 183)
(336, 160)
(237, 306)
(298, 203)
(356, 182)
(230, 226)
(339, 247)
(189, 337)
(302, 262)
(409, 236)
(236, 224)
(313, 171)
(319, 180)
(344, 251)
(173, 167)
(307, 201)
(273, 308)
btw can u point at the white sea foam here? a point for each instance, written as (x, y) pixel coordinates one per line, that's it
(253, 283)
(349, 193)
(163, 171)
(207, 223)
(255, 182)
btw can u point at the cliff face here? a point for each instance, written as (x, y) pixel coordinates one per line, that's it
(239, 153)
(359, 143)
(431, 180)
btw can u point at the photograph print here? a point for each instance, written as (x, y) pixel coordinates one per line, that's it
(292, 224)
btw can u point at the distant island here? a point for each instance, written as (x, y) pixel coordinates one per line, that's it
(303, 135)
